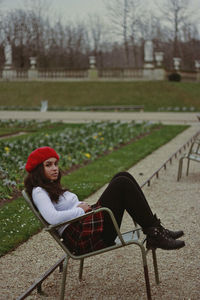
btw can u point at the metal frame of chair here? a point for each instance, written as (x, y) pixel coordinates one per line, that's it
(193, 154)
(123, 239)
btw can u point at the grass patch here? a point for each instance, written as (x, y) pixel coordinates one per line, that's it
(88, 179)
(17, 222)
(7, 131)
(152, 94)
(49, 128)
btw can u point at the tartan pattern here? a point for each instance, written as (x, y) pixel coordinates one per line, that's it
(85, 236)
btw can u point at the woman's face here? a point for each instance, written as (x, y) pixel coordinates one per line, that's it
(51, 169)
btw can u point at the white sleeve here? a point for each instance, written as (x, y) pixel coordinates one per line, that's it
(45, 206)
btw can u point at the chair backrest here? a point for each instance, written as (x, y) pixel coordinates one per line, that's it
(34, 209)
(47, 226)
(195, 147)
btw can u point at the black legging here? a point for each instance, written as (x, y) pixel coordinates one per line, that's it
(124, 193)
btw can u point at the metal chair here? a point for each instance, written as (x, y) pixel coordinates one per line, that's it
(193, 154)
(123, 239)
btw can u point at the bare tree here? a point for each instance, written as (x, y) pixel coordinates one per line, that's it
(22, 30)
(95, 26)
(119, 44)
(122, 14)
(98, 37)
(40, 8)
(2, 58)
(177, 14)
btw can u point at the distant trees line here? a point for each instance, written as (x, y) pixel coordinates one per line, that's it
(117, 40)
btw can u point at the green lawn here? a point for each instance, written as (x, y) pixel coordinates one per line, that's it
(152, 94)
(32, 129)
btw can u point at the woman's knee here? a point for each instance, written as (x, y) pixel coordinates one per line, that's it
(124, 174)
(121, 181)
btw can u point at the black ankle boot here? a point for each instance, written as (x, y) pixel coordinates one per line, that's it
(172, 234)
(157, 238)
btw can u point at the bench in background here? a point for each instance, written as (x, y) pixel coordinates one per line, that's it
(116, 108)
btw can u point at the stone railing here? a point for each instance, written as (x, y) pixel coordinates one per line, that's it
(93, 74)
(60, 73)
(120, 73)
(14, 74)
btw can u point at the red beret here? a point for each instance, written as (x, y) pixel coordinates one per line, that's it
(38, 156)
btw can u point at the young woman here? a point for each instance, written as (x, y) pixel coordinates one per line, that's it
(96, 231)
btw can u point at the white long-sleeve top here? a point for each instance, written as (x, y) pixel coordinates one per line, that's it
(65, 209)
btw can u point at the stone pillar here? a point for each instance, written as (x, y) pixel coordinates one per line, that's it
(197, 67)
(8, 72)
(159, 59)
(148, 60)
(8, 56)
(177, 62)
(92, 72)
(159, 72)
(44, 106)
(32, 72)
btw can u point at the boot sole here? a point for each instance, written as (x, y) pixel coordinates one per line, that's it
(151, 247)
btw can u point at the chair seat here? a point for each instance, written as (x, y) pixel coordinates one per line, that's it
(195, 157)
(128, 237)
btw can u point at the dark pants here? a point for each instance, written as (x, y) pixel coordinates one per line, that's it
(124, 193)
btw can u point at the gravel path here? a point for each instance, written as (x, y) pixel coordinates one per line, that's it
(84, 116)
(119, 274)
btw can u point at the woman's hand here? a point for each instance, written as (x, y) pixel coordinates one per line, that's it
(86, 207)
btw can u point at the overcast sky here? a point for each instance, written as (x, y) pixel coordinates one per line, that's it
(80, 9)
(69, 8)
(77, 8)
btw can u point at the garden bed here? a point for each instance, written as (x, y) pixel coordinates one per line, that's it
(76, 146)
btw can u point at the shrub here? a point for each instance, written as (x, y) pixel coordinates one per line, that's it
(174, 77)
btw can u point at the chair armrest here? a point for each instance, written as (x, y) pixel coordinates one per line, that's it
(52, 227)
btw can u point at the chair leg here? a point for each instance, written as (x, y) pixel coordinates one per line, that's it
(188, 164)
(155, 266)
(146, 272)
(180, 168)
(146, 276)
(65, 265)
(81, 268)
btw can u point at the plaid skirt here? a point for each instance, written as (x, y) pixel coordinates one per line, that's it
(85, 235)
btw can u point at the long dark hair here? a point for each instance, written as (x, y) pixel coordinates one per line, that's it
(37, 178)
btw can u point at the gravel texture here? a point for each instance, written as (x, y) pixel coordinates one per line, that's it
(84, 116)
(119, 274)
